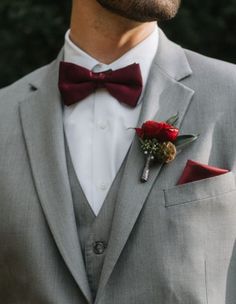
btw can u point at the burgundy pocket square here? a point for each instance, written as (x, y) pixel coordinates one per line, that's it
(195, 171)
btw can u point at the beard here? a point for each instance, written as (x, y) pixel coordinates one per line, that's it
(143, 10)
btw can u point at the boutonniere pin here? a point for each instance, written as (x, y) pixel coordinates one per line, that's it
(161, 142)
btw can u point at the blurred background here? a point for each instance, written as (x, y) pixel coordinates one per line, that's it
(32, 32)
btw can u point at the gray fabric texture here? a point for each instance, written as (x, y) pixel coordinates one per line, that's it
(91, 228)
(168, 244)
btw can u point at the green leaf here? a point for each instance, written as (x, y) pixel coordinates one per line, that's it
(141, 141)
(173, 120)
(183, 140)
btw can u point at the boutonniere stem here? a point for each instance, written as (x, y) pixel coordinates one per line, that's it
(161, 142)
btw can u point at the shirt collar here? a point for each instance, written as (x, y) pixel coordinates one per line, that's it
(143, 54)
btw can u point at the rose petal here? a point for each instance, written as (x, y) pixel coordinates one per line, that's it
(162, 131)
(139, 132)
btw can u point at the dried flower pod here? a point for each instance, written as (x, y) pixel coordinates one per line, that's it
(169, 151)
(165, 153)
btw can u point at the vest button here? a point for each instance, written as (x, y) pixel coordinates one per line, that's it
(99, 248)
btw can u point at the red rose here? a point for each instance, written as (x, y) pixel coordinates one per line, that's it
(159, 130)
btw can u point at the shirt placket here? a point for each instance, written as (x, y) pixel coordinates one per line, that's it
(100, 175)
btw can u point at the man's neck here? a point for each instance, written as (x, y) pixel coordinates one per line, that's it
(104, 35)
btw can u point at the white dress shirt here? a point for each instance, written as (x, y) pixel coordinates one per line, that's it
(97, 128)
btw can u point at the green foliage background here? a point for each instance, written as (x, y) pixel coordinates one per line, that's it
(32, 32)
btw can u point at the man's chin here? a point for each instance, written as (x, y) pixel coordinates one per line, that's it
(141, 10)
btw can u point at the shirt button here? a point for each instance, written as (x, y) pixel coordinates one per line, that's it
(102, 125)
(103, 186)
(98, 68)
(99, 247)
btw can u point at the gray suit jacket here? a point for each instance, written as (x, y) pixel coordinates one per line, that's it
(169, 244)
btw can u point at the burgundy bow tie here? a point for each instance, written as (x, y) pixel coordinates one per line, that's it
(76, 83)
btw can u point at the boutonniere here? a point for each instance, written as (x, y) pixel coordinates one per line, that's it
(161, 142)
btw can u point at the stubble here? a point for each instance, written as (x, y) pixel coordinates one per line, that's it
(143, 10)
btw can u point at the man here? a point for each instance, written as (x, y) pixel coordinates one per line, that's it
(76, 223)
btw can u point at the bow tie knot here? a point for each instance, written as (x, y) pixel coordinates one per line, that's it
(99, 78)
(76, 83)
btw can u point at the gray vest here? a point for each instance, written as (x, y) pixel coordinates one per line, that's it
(94, 232)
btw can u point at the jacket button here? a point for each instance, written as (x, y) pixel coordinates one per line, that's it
(99, 248)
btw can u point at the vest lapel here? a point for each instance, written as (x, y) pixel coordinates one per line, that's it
(164, 97)
(41, 117)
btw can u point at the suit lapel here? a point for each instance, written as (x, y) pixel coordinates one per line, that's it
(164, 97)
(41, 117)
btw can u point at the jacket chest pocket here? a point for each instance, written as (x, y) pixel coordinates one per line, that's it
(200, 190)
